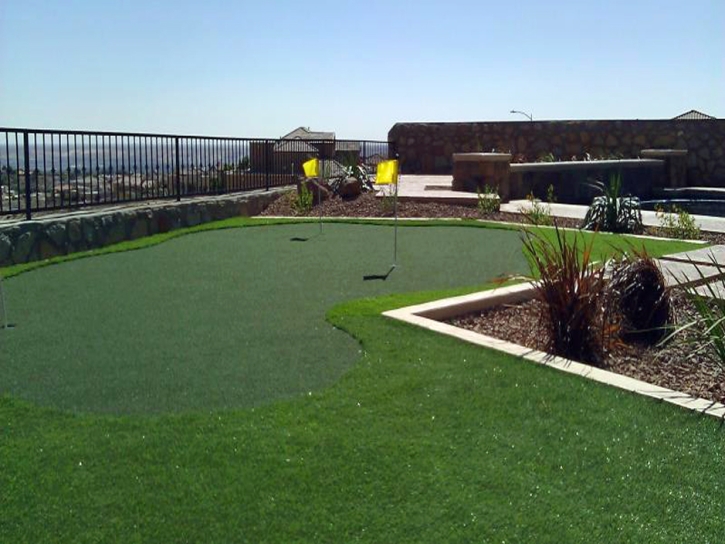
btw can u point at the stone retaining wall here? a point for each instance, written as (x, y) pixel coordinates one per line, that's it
(25, 241)
(428, 148)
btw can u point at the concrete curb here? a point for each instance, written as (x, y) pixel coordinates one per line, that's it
(428, 316)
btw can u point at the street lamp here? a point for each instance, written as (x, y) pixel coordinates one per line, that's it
(529, 117)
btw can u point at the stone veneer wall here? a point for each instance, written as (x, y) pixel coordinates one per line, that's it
(427, 148)
(25, 241)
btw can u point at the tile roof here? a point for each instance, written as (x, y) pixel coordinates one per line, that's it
(347, 146)
(303, 133)
(294, 146)
(693, 115)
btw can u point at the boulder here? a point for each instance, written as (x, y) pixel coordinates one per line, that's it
(350, 188)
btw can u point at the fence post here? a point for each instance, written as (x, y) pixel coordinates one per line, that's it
(176, 169)
(266, 165)
(26, 153)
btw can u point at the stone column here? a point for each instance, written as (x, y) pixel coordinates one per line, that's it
(675, 165)
(474, 171)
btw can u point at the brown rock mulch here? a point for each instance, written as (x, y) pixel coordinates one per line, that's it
(674, 365)
(367, 205)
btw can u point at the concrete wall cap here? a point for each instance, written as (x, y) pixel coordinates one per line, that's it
(482, 157)
(663, 152)
(562, 166)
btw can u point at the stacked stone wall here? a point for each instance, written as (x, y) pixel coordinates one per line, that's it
(428, 148)
(25, 241)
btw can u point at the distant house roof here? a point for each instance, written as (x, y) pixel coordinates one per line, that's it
(693, 115)
(304, 133)
(375, 159)
(347, 146)
(296, 146)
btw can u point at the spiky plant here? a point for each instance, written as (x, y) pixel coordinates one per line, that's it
(611, 212)
(572, 290)
(707, 330)
(638, 293)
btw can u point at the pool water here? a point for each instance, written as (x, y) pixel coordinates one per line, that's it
(711, 207)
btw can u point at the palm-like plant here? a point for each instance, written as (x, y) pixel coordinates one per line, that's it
(611, 212)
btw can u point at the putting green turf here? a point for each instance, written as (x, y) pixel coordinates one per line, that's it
(228, 318)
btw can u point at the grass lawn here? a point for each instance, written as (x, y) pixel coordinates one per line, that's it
(415, 438)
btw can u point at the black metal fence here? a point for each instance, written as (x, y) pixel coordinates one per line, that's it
(43, 170)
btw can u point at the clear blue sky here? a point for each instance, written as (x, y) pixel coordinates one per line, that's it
(264, 67)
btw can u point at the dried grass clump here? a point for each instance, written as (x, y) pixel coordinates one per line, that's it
(638, 293)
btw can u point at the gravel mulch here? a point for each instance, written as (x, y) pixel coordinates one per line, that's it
(366, 205)
(672, 366)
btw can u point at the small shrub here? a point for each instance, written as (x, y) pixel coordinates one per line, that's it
(677, 223)
(387, 203)
(550, 196)
(572, 291)
(537, 213)
(638, 293)
(488, 201)
(302, 201)
(611, 212)
(546, 157)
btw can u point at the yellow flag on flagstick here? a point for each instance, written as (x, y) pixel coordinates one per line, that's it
(387, 172)
(312, 168)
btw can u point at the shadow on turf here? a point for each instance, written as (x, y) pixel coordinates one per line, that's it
(383, 277)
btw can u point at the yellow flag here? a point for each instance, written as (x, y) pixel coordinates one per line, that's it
(387, 172)
(312, 168)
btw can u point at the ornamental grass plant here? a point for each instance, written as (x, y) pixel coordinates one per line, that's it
(573, 290)
(706, 332)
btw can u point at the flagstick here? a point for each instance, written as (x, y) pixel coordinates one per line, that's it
(319, 199)
(395, 236)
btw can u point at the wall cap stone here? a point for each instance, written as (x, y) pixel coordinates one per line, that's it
(663, 152)
(482, 157)
(561, 166)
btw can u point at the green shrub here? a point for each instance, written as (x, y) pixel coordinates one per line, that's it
(611, 212)
(387, 202)
(637, 292)
(537, 213)
(302, 201)
(488, 201)
(677, 223)
(572, 291)
(546, 157)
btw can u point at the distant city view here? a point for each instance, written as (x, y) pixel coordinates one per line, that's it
(78, 169)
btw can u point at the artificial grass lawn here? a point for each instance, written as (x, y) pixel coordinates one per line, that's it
(425, 439)
(229, 318)
(224, 318)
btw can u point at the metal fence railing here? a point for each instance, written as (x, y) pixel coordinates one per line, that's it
(43, 170)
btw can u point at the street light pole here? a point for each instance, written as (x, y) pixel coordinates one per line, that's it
(529, 117)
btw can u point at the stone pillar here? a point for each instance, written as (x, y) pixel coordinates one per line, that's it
(473, 171)
(675, 165)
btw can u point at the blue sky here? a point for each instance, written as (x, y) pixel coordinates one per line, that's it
(261, 68)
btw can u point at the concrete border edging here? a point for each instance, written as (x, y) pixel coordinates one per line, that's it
(427, 316)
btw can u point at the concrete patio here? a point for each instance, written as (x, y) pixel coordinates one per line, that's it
(438, 189)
